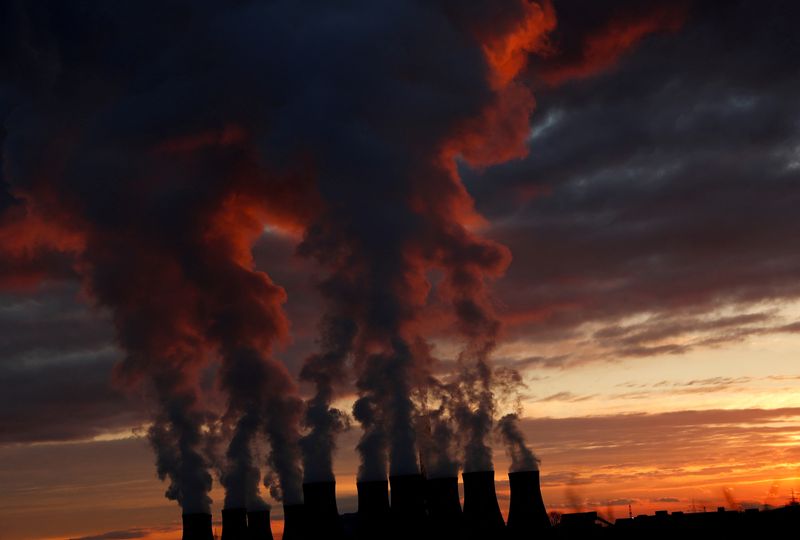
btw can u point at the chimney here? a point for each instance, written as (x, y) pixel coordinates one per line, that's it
(234, 524)
(527, 517)
(197, 527)
(294, 522)
(409, 515)
(444, 507)
(482, 517)
(258, 525)
(322, 515)
(373, 509)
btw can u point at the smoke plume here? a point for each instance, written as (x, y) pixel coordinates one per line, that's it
(325, 370)
(160, 157)
(154, 178)
(393, 203)
(438, 438)
(522, 458)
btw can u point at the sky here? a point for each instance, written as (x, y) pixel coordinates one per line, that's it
(614, 183)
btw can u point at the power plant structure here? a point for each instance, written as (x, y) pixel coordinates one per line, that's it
(404, 507)
(258, 526)
(197, 527)
(412, 507)
(321, 513)
(234, 523)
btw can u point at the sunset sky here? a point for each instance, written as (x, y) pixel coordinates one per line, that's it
(650, 201)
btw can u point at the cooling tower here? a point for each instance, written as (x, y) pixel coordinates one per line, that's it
(258, 525)
(197, 527)
(527, 517)
(373, 509)
(409, 516)
(234, 524)
(482, 517)
(444, 507)
(322, 515)
(294, 522)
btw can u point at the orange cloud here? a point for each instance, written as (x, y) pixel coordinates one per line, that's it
(602, 48)
(507, 53)
(30, 244)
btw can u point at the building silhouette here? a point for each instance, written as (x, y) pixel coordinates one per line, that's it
(415, 508)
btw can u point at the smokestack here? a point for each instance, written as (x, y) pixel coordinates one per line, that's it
(444, 507)
(408, 505)
(527, 516)
(197, 527)
(482, 517)
(294, 522)
(258, 525)
(234, 524)
(373, 509)
(322, 515)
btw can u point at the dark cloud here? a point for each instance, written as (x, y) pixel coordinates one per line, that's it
(56, 359)
(666, 186)
(117, 535)
(71, 399)
(568, 397)
(614, 502)
(52, 320)
(534, 361)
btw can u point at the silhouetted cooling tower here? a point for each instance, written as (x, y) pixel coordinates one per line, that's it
(322, 515)
(482, 517)
(527, 516)
(294, 522)
(234, 524)
(258, 525)
(197, 527)
(373, 509)
(444, 507)
(409, 516)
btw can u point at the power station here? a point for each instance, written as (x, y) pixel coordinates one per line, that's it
(405, 507)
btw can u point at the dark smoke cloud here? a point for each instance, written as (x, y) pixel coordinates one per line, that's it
(325, 370)
(241, 475)
(393, 207)
(176, 439)
(149, 176)
(151, 160)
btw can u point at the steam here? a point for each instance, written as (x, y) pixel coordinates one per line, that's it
(522, 458)
(438, 440)
(165, 193)
(325, 370)
(385, 411)
(176, 440)
(394, 206)
(284, 457)
(261, 409)
(241, 476)
(166, 172)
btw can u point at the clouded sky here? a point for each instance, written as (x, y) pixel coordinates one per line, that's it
(651, 305)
